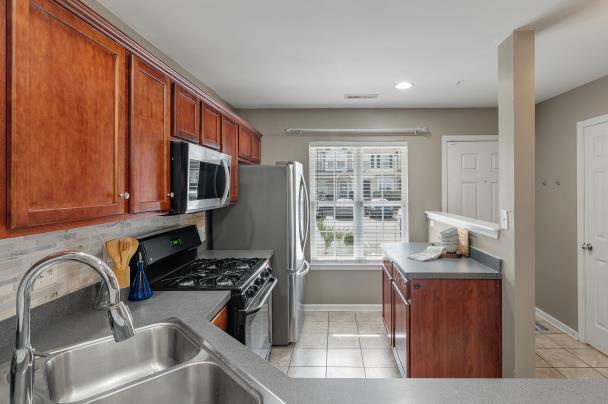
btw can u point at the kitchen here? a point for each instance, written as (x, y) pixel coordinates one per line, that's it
(265, 275)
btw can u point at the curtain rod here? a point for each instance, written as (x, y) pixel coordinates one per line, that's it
(393, 131)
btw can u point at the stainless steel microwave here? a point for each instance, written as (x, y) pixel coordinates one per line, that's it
(200, 178)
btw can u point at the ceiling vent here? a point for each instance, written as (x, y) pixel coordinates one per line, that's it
(360, 96)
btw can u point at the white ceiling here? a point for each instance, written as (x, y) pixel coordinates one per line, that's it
(309, 53)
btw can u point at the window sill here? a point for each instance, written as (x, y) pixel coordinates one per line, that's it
(353, 266)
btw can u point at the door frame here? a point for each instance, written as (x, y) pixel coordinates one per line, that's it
(444, 159)
(580, 221)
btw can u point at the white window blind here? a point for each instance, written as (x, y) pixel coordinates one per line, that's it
(358, 199)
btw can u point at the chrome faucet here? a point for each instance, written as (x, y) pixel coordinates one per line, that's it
(22, 365)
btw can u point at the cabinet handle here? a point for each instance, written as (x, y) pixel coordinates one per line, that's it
(125, 195)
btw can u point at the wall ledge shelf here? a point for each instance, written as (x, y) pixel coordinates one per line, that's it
(480, 227)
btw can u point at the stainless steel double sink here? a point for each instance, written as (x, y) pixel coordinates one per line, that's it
(163, 363)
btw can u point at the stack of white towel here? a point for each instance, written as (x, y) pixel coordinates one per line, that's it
(449, 239)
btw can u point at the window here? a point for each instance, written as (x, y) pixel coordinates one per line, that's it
(358, 199)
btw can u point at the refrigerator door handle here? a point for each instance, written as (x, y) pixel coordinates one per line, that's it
(304, 270)
(307, 211)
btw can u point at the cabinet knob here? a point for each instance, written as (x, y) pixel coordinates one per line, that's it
(125, 195)
(170, 194)
(417, 286)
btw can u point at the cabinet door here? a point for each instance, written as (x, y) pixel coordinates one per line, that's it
(185, 114)
(221, 319)
(149, 138)
(456, 328)
(68, 118)
(212, 127)
(256, 148)
(401, 327)
(244, 143)
(387, 302)
(230, 147)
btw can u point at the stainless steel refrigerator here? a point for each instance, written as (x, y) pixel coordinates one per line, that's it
(272, 212)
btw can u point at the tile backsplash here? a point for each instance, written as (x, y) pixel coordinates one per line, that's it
(19, 253)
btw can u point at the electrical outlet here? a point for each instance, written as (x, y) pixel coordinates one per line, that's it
(504, 219)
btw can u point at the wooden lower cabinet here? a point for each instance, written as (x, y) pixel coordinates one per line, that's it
(221, 319)
(445, 328)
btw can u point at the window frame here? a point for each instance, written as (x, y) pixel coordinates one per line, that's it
(359, 262)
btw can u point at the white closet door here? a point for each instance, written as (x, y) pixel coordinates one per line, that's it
(596, 234)
(472, 179)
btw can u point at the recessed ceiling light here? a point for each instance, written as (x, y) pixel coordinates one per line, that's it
(403, 85)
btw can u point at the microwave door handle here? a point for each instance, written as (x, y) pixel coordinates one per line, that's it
(262, 300)
(227, 182)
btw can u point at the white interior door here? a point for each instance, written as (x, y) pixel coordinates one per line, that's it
(472, 179)
(595, 246)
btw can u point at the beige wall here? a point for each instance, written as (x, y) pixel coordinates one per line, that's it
(556, 243)
(118, 23)
(424, 155)
(516, 144)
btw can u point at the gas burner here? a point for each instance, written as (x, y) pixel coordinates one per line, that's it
(211, 273)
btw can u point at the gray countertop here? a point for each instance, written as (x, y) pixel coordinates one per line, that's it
(197, 308)
(443, 268)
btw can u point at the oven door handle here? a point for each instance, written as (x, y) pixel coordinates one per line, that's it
(262, 300)
(227, 186)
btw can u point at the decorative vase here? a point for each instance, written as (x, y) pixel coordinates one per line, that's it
(140, 288)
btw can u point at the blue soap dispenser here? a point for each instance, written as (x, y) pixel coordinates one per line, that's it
(140, 288)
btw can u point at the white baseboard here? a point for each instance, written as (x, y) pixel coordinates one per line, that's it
(342, 307)
(556, 323)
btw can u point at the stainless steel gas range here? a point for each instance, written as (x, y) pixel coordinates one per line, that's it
(172, 263)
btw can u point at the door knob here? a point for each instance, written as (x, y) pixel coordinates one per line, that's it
(587, 246)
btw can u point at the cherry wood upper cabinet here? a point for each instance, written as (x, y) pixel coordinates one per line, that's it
(149, 138)
(256, 148)
(185, 114)
(212, 127)
(67, 133)
(230, 147)
(244, 142)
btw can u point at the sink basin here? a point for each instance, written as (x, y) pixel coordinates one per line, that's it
(195, 383)
(90, 369)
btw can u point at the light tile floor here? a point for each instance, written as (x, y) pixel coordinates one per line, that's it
(341, 344)
(560, 356)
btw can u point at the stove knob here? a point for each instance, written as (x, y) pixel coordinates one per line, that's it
(259, 281)
(255, 288)
(249, 293)
(266, 273)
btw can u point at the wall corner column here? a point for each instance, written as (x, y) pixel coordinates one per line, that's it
(516, 142)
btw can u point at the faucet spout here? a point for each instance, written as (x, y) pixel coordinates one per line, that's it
(121, 322)
(119, 316)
